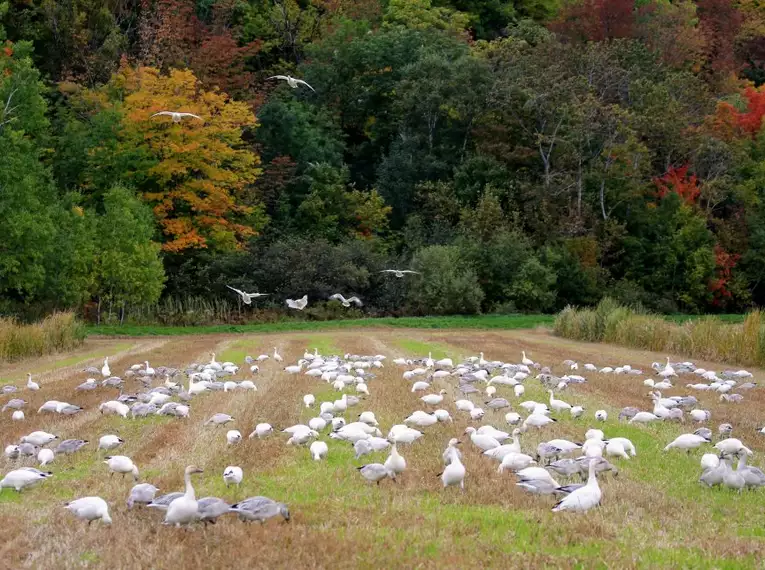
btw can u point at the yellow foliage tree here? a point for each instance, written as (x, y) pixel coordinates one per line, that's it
(196, 174)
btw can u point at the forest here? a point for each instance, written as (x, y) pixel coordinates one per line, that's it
(520, 155)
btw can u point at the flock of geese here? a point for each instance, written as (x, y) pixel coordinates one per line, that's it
(302, 302)
(566, 469)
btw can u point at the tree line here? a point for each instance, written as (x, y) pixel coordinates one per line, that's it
(522, 155)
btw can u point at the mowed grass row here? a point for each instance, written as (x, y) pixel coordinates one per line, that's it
(654, 514)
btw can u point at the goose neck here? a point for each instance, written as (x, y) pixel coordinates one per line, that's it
(189, 487)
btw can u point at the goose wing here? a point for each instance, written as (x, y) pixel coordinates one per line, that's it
(306, 84)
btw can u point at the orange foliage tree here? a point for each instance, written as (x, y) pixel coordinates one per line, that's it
(200, 171)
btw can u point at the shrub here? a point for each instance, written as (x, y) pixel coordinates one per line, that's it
(708, 338)
(56, 333)
(451, 286)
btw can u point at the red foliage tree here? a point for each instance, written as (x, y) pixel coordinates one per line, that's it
(173, 36)
(729, 123)
(751, 121)
(595, 20)
(724, 262)
(677, 180)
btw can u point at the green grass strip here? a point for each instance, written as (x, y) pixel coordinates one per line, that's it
(452, 322)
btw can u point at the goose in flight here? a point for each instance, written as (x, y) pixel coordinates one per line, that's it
(292, 81)
(347, 302)
(176, 115)
(246, 297)
(298, 304)
(400, 272)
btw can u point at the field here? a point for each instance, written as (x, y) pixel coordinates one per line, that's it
(653, 515)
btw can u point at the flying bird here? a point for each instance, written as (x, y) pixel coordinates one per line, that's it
(247, 297)
(298, 304)
(347, 302)
(292, 81)
(400, 272)
(176, 115)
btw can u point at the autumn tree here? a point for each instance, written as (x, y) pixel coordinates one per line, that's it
(596, 20)
(720, 22)
(172, 35)
(738, 118)
(196, 174)
(678, 180)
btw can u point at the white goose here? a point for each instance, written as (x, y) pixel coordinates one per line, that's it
(318, 450)
(583, 498)
(90, 509)
(668, 371)
(233, 475)
(537, 420)
(526, 361)
(434, 399)
(19, 479)
(395, 462)
(184, 510)
(687, 441)
(122, 464)
(105, 371)
(558, 405)
(482, 441)
(454, 473)
(34, 386)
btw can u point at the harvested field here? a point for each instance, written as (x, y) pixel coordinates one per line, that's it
(654, 514)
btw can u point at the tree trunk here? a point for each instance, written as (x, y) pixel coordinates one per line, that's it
(579, 190)
(98, 311)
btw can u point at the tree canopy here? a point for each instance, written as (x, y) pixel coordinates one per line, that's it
(523, 154)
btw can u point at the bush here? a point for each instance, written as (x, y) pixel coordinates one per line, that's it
(451, 287)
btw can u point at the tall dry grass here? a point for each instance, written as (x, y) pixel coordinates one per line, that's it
(707, 338)
(56, 333)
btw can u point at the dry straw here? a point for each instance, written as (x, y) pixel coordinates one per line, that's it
(56, 333)
(707, 338)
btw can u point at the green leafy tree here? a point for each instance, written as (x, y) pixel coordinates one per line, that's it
(289, 127)
(533, 289)
(422, 15)
(333, 210)
(671, 239)
(27, 196)
(129, 267)
(71, 274)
